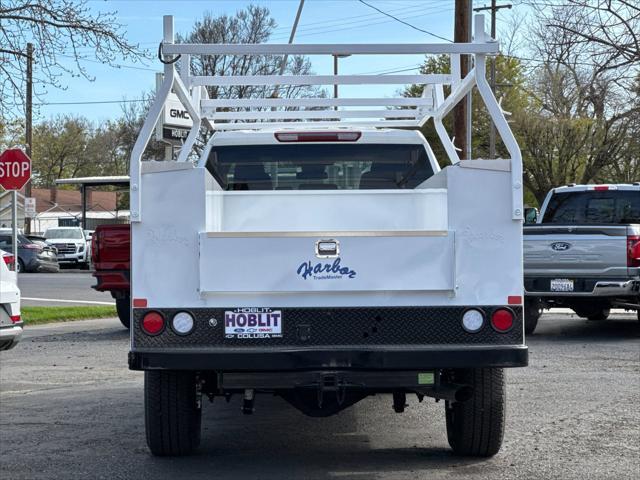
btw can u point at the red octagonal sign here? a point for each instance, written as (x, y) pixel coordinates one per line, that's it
(15, 169)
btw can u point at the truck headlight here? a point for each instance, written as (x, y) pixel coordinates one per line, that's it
(182, 323)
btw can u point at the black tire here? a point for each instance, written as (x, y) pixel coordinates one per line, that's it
(20, 266)
(172, 417)
(123, 307)
(532, 312)
(600, 315)
(476, 427)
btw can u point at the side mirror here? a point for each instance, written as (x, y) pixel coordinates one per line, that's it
(530, 215)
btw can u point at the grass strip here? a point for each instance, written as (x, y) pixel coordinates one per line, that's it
(37, 315)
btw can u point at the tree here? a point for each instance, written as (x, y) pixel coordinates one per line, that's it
(59, 29)
(59, 149)
(577, 125)
(608, 30)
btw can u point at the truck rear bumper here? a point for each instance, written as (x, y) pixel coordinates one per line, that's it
(593, 288)
(379, 358)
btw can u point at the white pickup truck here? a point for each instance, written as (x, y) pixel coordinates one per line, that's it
(584, 252)
(325, 258)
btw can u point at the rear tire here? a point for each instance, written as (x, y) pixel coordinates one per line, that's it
(172, 417)
(532, 312)
(476, 427)
(20, 266)
(123, 307)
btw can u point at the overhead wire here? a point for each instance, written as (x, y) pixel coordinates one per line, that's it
(405, 23)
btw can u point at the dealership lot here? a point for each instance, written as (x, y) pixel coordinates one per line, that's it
(72, 409)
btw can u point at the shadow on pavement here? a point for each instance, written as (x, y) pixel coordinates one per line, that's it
(552, 329)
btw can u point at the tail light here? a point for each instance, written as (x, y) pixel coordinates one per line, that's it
(95, 247)
(15, 318)
(633, 251)
(9, 259)
(347, 136)
(502, 320)
(153, 323)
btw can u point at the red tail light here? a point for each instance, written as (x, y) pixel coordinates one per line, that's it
(9, 259)
(600, 188)
(347, 136)
(95, 247)
(15, 318)
(153, 323)
(502, 320)
(633, 251)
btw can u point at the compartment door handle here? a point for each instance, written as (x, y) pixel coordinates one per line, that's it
(327, 248)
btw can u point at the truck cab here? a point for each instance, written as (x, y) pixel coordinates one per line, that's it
(327, 258)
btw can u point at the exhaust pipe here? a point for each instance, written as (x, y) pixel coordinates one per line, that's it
(452, 392)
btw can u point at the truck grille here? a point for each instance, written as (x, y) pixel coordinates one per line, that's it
(64, 248)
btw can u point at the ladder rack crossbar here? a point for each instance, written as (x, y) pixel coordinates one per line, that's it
(314, 102)
(312, 114)
(490, 47)
(236, 80)
(319, 124)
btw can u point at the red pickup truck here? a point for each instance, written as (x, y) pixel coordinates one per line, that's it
(110, 255)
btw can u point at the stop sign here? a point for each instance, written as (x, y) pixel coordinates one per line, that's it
(15, 169)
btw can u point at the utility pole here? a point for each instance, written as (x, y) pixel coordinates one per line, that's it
(462, 111)
(492, 78)
(29, 124)
(283, 66)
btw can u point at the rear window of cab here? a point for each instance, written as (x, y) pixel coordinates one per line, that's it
(319, 166)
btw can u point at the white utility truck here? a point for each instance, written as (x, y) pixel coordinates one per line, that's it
(318, 253)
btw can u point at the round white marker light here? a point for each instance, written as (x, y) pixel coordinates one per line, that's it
(472, 320)
(182, 323)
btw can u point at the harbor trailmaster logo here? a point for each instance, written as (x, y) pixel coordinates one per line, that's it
(325, 271)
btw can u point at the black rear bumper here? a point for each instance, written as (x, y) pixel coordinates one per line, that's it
(348, 338)
(406, 357)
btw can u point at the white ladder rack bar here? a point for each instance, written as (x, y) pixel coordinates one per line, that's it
(487, 47)
(313, 102)
(311, 114)
(223, 81)
(319, 124)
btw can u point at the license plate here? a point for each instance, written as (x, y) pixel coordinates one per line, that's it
(562, 285)
(253, 322)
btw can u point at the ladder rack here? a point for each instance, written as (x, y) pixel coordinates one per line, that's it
(260, 113)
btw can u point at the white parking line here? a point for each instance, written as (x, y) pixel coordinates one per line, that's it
(67, 301)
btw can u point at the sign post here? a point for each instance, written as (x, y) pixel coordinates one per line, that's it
(15, 172)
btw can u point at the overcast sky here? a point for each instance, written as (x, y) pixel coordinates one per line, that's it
(322, 21)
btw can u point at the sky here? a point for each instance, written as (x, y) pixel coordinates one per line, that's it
(322, 21)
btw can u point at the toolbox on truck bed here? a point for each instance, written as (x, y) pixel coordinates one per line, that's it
(326, 259)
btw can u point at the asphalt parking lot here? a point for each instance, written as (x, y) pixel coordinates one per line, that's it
(66, 288)
(71, 409)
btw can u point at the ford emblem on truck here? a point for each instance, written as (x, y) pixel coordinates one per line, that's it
(560, 246)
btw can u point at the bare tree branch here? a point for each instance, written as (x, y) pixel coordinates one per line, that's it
(58, 29)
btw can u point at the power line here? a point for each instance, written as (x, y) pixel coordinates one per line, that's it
(403, 22)
(117, 65)
(321, 31)
(96, 102)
